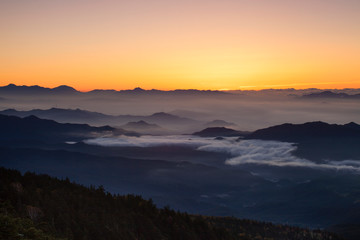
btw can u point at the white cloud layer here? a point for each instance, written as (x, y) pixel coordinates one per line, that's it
(150, 141)
(271, 153)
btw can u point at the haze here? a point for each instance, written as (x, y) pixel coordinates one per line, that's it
(249, 110)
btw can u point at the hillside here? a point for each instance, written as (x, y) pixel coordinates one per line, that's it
(219, 132)
(330, 94)
(34, 128)
(307, 131)
(41, 207)
(99, 119)
(316, 140)
(143, 127)
(219, 123)
(63, 89)
(60, 115)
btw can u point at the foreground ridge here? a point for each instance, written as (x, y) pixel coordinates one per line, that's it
(42, 207)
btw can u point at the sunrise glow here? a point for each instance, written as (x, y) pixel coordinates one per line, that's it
(180, 44)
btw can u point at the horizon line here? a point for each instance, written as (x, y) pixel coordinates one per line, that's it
(182, 89)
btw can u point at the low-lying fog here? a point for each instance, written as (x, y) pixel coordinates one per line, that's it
(258, 152)
(249, 112)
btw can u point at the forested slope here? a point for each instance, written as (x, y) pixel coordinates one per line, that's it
(41, 207)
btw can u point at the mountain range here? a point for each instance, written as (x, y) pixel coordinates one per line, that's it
(66, 90)
(195, 180)
(307, 131)
(143, 127)
(95, 118)
(220, 132)
(14, 128)
(220, 123)
(317, 141)
(330, 94)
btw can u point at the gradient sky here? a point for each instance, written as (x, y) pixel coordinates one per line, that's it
(166, 44)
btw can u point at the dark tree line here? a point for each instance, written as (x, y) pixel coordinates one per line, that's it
(42, 207)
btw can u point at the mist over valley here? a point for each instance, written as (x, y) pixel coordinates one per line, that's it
(219, 156)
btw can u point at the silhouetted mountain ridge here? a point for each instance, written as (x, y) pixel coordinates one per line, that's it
(307, 131)
(63, 89)
(34, 128)
(219, 123)
(330, 94)
(35, 89)
(143, 127)
(95, 118)
(219, 132)
(57, 114)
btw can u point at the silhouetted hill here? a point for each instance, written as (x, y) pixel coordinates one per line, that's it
(166, 118)
(330, 94)
(141, 124)
(219, 132)
(36, 90)
(316, 141)
(61, 209)
(353, 126)
(95, 118)
(219, 123)
(177, 92)
(59, 114)
(143, 127)
(307, 131)
(63, 89)
(34, 128)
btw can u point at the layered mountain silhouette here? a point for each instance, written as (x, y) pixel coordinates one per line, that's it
(307, 131)
(34, 128)
(95, 118)
(34, 90)
(144, 127)
(63, 89)
(181, 171)
(166, 118)
(219, 123)
(316, 141)
(61, 115)
(220, 132)
(330, 94)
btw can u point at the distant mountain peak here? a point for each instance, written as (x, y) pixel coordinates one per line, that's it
(329, 94)
(160, 114)
(33, 117)
(139, 89)
(220, 123)
(64, 88)
(141, 123)
(352, 125)
(307, 131)
(34, 128)
(219, 131)
(35, 89)
(143, 127)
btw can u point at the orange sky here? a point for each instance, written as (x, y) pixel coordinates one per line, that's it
(168, 44)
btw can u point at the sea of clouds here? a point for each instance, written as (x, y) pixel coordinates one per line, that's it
(259, 152)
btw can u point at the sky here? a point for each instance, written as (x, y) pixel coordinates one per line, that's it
(167, 44)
